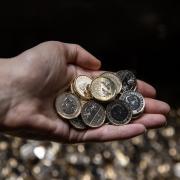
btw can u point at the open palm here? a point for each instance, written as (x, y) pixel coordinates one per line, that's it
(48, 68)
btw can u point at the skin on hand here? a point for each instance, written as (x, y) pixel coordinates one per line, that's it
(30, 82)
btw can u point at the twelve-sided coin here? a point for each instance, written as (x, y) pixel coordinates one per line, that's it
(118, 112)
(128, 80)
(135, 101)
(68, 105)
(93, 114)
(103, 89)
(80, 86)
(113, 77)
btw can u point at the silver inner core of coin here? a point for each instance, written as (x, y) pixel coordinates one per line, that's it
(69, 105)
(133, 101)
(119, 112)
(93, 114)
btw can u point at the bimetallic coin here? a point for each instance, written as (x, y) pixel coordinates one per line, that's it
(114, 79)
(93, 114)
(135, 101)
(103, 89)
(119, 112)
(128, 80)
(68, 105)
(78, 123)
(81, 86)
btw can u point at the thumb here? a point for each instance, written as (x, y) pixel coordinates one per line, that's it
(80, 57)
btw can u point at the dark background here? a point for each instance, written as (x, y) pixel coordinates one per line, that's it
(139, 35)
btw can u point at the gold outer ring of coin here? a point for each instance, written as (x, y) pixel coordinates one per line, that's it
(103, 89)
(59, 101)
(72, 88)
(112, 76)
(80, 86)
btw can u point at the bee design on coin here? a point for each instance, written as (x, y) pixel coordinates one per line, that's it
(119, 112)
(93, 114)
(103, 89)
(68, 105)
(135, 101)
(128, 80)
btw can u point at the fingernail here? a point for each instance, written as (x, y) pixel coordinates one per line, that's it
(99, 64)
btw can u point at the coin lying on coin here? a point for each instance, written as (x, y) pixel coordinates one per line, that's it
(68, 105)
(93, 114)
(80, 86)
(135, 101)
(128, 80)
(110, 98)
(103, 89)
(114, 78)
(119, 112)
(78, 123)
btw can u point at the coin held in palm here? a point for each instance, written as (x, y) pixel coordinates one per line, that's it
(114, 78)
(68, 105)
(128, 80)
(103, 89)
(80, 86)
(109, 98)
(93, 114)
(135, 101)
(118, 112)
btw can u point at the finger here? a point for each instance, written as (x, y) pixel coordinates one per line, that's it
(89, 73)
(74, 71)
(146, 89)
(79, 56)
(151, 120)
(110, 133)
(40, 123)
(102, 134)
(156, 107)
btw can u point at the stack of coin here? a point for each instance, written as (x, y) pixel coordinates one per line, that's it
(108, 98)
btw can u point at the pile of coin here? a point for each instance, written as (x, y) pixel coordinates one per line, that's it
(108, 98)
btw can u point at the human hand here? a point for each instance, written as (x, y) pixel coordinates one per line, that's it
(38, 74)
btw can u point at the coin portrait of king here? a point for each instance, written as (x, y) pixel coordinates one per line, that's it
(133, 101)
(69, 106)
